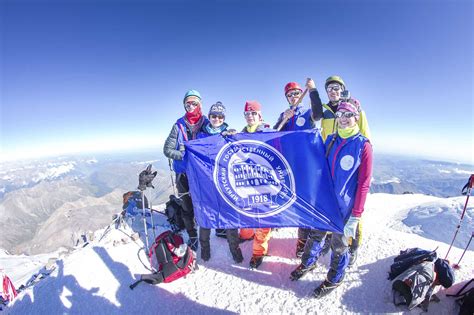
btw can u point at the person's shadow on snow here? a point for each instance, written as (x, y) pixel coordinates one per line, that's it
(61, 295)
(150, 299)
(375, 289)
(269, 273)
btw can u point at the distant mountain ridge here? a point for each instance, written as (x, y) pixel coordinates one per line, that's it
(45, 204)
(51, 203)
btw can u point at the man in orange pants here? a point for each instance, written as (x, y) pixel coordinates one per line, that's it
(261, 236)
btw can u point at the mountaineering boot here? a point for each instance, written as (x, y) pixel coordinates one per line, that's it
(300, 247)
(237, 255)
(221, 233)
(300, 271)
(325, 288)
(205, 253)
(255, 261)
(352, 257)
(194, 243)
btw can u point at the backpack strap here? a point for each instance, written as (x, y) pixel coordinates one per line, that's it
(459, 294)
(331, 144)
(185, 135)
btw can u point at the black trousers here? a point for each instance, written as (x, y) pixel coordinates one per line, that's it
(188, 210)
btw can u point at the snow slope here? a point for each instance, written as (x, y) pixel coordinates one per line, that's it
(95, 279)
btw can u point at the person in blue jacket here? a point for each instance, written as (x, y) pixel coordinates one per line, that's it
(297, 117)
(184, 129)
(349, 156)
(215, 126)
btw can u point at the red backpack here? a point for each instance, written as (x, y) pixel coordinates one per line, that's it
(170, 257)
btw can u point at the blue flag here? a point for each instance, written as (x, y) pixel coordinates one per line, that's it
(257, 180)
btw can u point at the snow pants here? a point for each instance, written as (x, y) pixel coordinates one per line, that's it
(354, 243)
(188, 210)
(339, 256)
(232, 239)
(260, 239)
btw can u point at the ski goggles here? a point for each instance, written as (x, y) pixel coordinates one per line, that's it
(247, 114)
(191, 105)
(335, 88)
(345, 114)
(212, 116)
(294, 93)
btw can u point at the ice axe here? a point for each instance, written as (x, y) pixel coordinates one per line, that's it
(285, 120)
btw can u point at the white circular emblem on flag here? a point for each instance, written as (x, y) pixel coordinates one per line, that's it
(347, 162)
(254, 178)
(300, 121)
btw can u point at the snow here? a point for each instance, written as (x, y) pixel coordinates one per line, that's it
(459, 171)
(54, 172)
(95, 279)
(395, 180)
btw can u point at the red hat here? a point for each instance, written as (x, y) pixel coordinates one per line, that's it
(252, 106)
(292, 86)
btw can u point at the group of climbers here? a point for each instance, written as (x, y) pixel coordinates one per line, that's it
(346, 134)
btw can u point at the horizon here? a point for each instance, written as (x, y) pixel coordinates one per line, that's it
(117, 151)
(106, 75)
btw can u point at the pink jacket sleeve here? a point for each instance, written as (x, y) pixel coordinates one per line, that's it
(363, 181)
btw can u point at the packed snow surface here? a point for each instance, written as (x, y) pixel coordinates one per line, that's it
(95, 279)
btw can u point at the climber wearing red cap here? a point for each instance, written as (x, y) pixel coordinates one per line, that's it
(261, 236)
(297, 117)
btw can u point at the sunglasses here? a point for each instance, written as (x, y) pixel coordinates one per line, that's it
(190, 105)
(292, 94)
(335, 88)
(345, 114)
(216, 116)
(250, 114)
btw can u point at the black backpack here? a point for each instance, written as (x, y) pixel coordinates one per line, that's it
(465, 300)
(174, 213)
(408, 258)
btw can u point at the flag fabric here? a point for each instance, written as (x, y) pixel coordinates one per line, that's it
(257, 180)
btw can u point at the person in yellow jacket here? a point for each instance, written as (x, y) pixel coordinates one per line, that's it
(334, 87)
(261, 236)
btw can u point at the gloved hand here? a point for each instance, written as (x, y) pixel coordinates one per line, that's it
(229, 132)
(351, 226)
(145, 178)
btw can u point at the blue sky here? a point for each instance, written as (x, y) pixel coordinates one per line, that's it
(86, 75)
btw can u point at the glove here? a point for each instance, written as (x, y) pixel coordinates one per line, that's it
(351, 226)
(229, 132)
(145, 178)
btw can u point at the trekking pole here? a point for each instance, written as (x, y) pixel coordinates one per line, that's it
(171, 175)
(152, 222)
(284, 121)
(144, 219)
(468, 186)
(457, 266)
